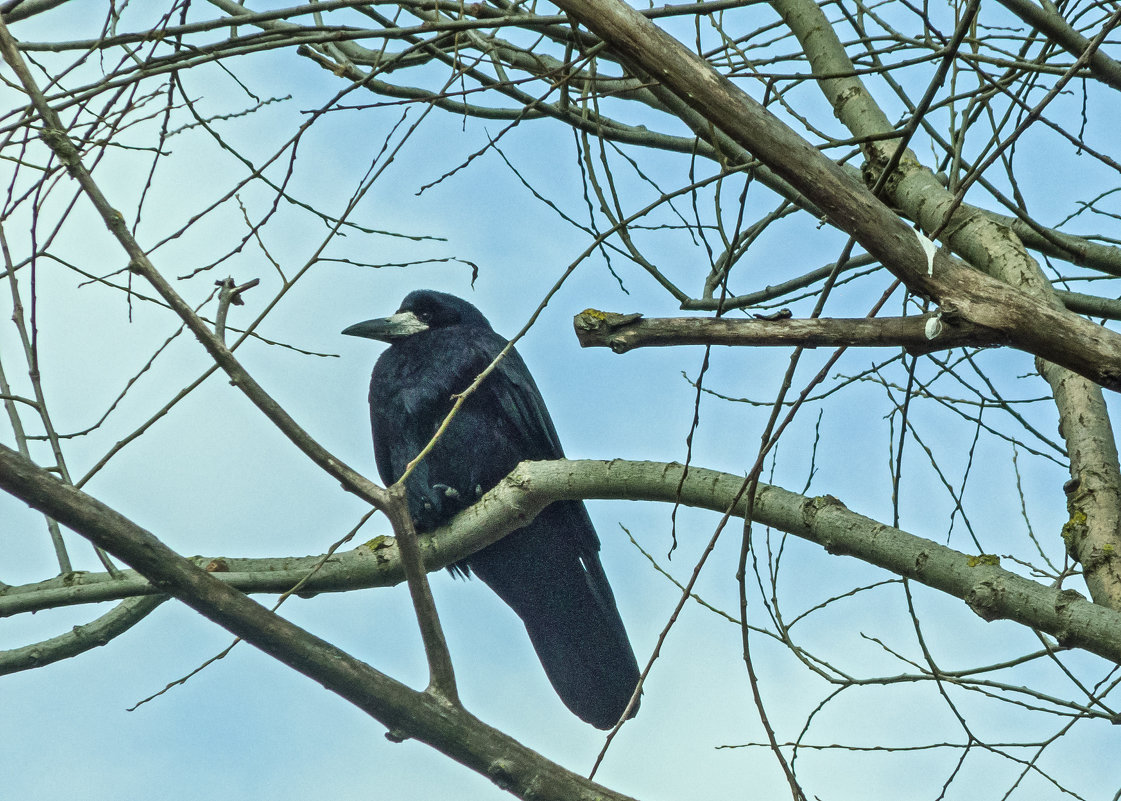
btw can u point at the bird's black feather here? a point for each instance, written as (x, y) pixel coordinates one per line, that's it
(548, 572)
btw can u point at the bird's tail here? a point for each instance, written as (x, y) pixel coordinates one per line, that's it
(585, 650)
(569, 611)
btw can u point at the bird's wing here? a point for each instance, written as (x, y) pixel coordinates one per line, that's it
(516, 392)
(390, 463)
(512, 387)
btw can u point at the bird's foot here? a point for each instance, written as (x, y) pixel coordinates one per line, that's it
(446, 491)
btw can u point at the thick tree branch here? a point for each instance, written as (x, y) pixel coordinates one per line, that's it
(992, 592)
(923, 333)
(14, 10)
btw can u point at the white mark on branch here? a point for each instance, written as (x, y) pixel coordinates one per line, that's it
(929, 248)
(933, 326)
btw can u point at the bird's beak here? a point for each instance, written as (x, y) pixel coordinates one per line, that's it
(388, 329)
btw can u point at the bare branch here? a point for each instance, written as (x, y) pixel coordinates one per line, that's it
(81, 638)
(1050, 22)
(991, 591)
(919, 334)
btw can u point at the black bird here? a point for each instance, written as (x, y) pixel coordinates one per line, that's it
(548, 572)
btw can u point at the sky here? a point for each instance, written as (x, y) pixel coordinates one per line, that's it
(215, 478)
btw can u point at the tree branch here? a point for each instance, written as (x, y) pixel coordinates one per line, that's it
(918, 334)
(1049, 22)
(992, 592)
(83, 638)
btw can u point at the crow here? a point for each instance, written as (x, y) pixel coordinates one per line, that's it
(549, 571)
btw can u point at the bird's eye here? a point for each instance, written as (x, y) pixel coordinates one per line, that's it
(424, 316)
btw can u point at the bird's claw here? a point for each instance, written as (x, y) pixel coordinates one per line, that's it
(446, 491)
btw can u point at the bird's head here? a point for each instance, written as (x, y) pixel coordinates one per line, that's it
(420, 311)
